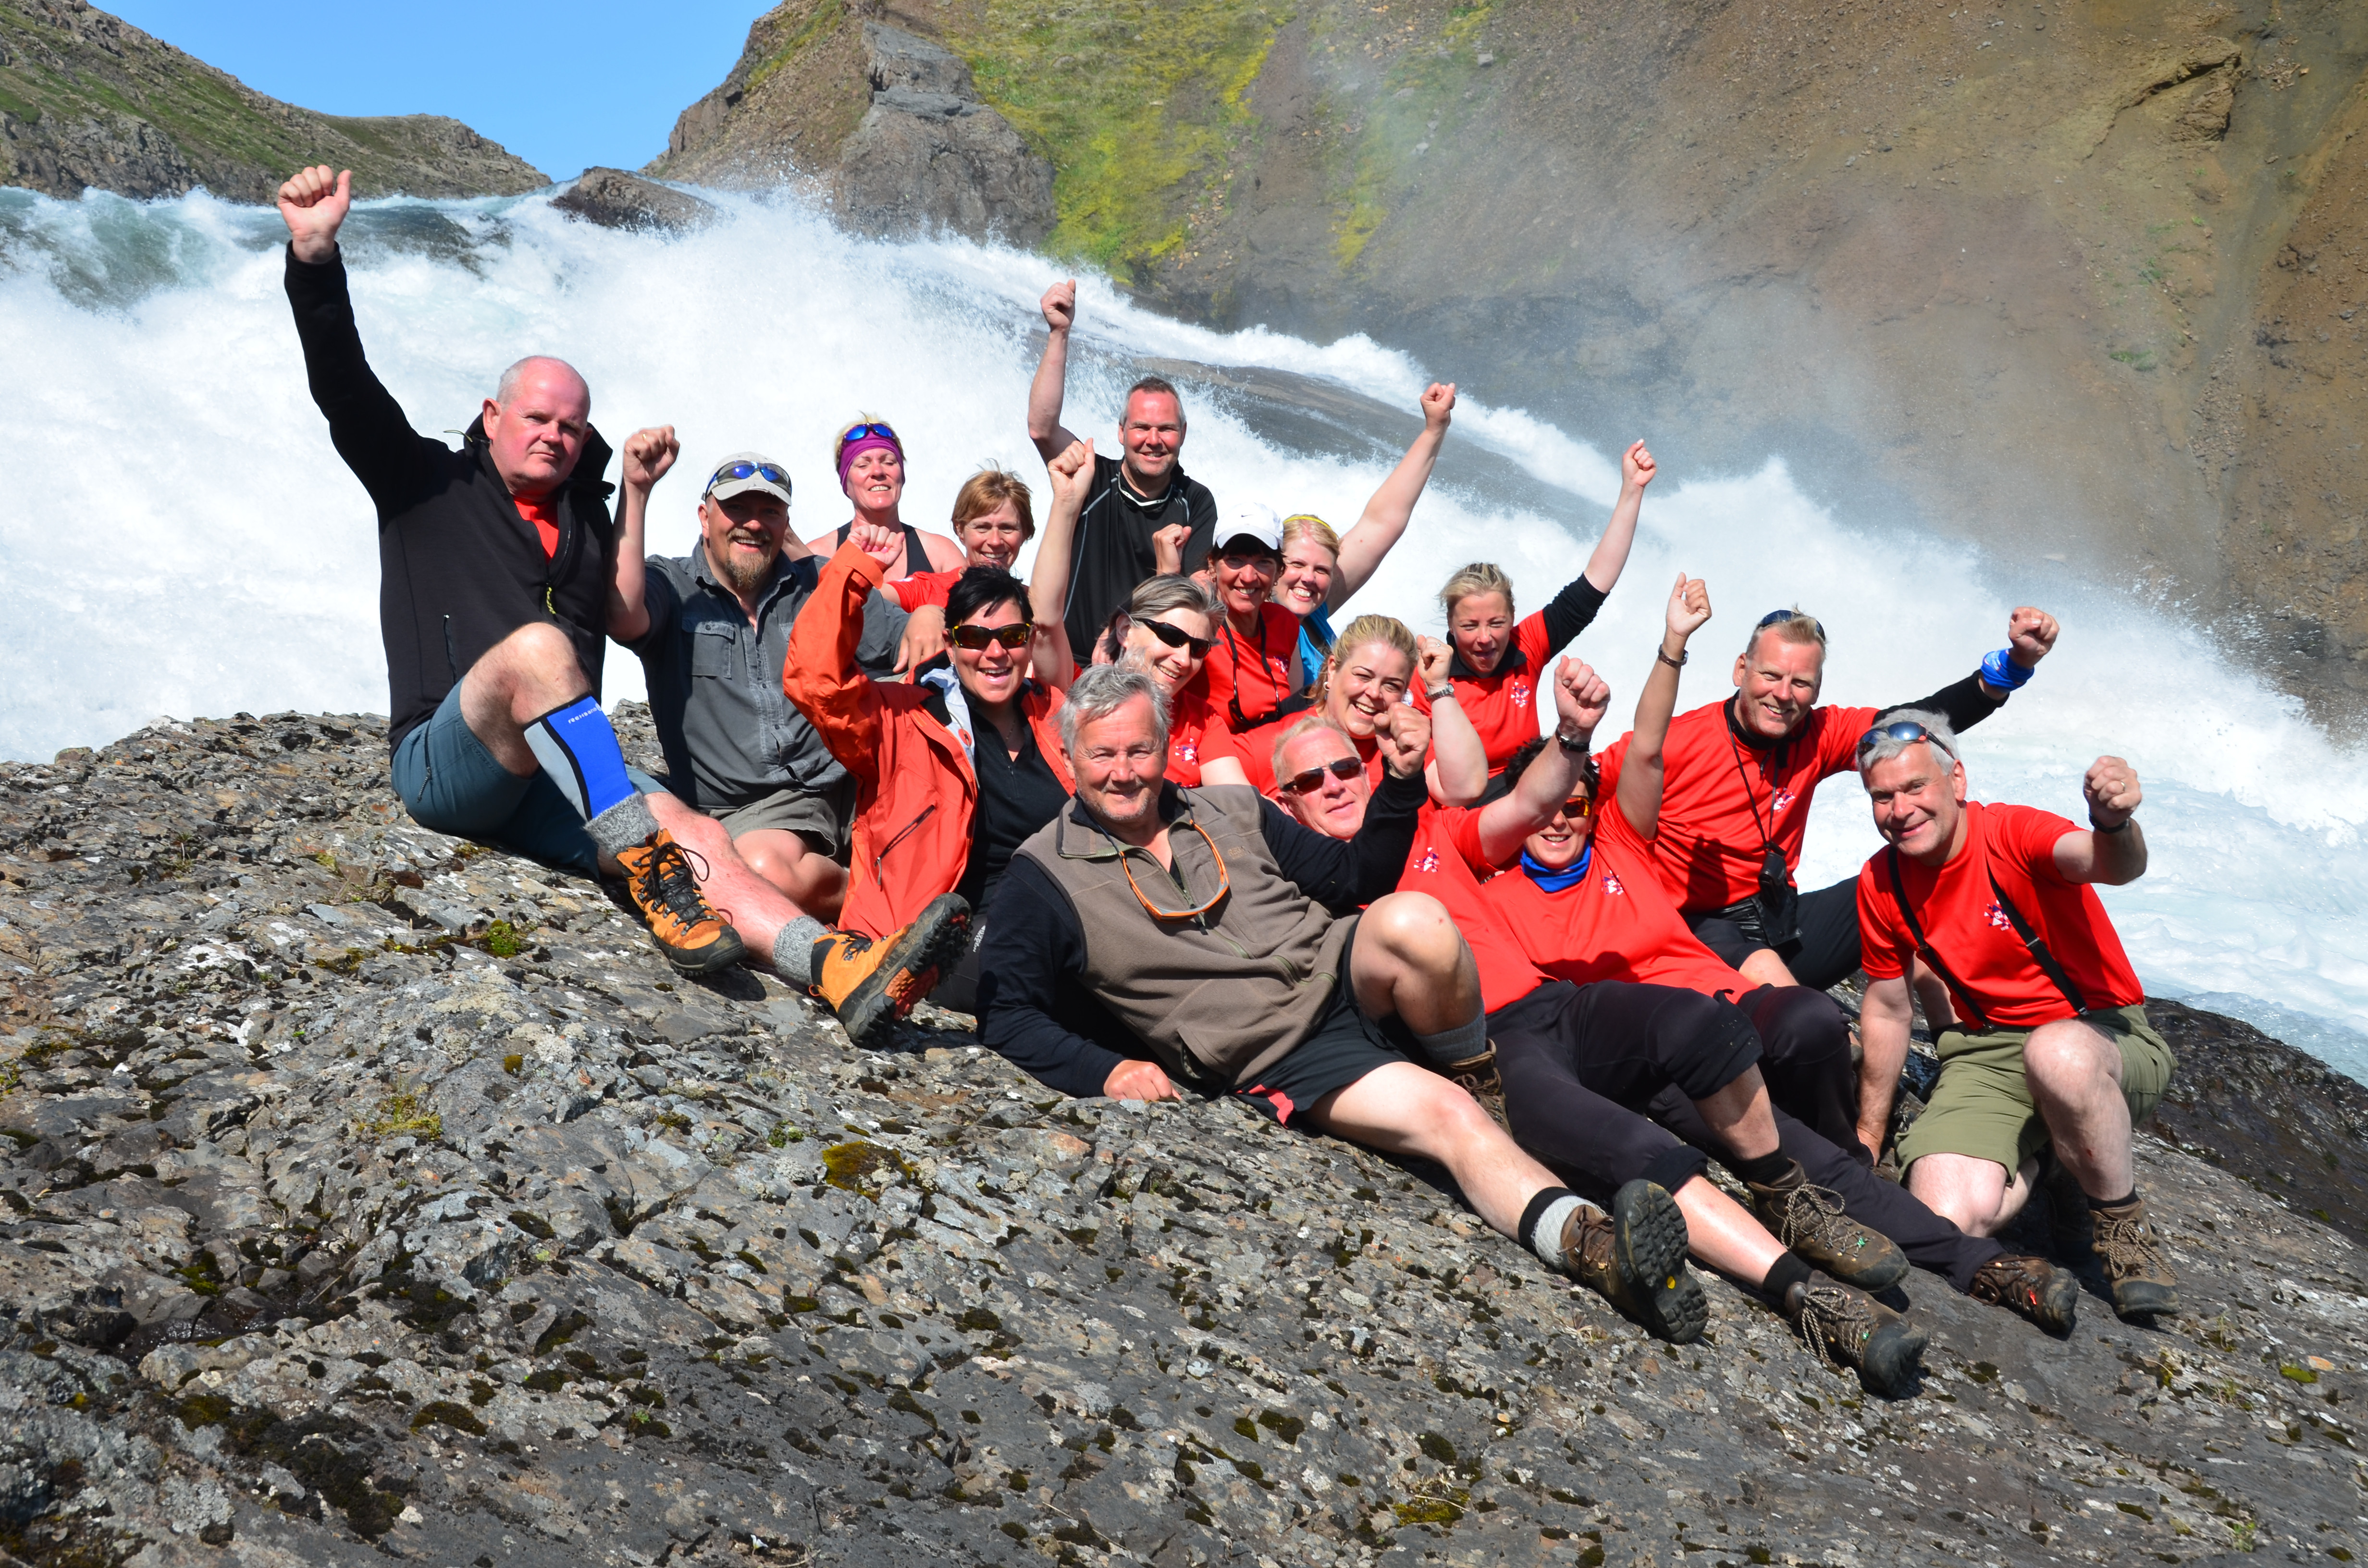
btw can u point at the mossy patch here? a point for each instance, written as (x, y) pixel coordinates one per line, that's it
(864, 1167)
(403, 1114)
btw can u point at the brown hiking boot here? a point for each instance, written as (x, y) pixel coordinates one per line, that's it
(2131, 1250)
(2070, 1236)
(1843, 1327)
(1810, 1220)
(2045, 1294)
(1477, 1076)
(1634, 1258)
(686, 927)
(868, 983)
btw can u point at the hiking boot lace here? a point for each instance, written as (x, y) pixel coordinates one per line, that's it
(2127, 1245)
(1812, 1215)
(670, 882)
(1829, 1314)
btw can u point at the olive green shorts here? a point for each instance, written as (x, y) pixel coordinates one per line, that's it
(1982, 1105)
(824, 821)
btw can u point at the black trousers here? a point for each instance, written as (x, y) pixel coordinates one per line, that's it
(1825, 954)
(1806, 1058)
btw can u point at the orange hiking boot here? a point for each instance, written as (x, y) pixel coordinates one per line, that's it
(868, 983)
(687, 930)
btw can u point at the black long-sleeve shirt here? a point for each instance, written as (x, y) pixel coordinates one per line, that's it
(1034, 1007)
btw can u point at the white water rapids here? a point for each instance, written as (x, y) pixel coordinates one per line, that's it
(177, 536)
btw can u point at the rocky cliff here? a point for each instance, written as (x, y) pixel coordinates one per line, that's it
(87, 101)
(365, 1194)
(2077, 281)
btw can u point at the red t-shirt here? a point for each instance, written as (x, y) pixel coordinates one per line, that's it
(1197, 736)
(1503, 704)
(1256, 669)
(926, 588)
(1719, 796)
(1962, 919)
(1446, 863)
(1615, 923)
(544, 515)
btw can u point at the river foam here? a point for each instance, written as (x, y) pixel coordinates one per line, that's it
(177, 535)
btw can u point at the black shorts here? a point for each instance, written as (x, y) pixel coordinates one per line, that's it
(1825, 953)
(1343, 1047)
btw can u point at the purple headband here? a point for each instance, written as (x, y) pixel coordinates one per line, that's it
(861, 445)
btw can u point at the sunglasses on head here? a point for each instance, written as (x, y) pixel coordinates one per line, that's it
(975, 638)
(765, 471)
(1177, 637)
(1907, 731)
(1300, 783)
(857, 432)
(1774, 615)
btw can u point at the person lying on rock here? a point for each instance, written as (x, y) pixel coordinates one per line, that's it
(711, 629)
(494, 564)
(952, 771)
(1152, 936)
(2052, 1047)
(1142, 514)
(1735, 804)
(1582, 1065)
(1499, 662)
(1581, 895)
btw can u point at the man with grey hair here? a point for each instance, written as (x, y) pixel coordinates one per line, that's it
(1152, 936)
(492, 601)
(2050, 1046)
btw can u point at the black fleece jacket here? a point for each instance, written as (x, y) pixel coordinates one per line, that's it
(458, 568)
(1034, 1007)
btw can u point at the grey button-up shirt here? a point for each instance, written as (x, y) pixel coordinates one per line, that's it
(730, 738)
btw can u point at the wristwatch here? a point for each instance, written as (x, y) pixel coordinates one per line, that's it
(1575, 745)
(1439, 693)
(2121, 826)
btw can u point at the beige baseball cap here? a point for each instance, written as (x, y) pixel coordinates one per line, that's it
(744, 472)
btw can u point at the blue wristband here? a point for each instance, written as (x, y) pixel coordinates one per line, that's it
(2003, 672)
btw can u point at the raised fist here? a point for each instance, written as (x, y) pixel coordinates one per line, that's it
(877, 540)
(1438, 404)
(1689, 606)
(2112, 787)
(1168, 551)
(1637, 466)
(1431, 660)
(1073, 472)
(314, 202)
(1581, 696)
(1405, 735)
(1060, 305)
(649, 454)
(2030, 634)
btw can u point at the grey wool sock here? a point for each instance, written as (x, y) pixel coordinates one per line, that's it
(793, 948)
(1545, 1234)
(1461, 1043)
(628, 824)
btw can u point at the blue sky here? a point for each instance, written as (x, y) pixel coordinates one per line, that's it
(562, 87)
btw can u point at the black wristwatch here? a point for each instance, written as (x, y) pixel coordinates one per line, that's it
(1575, 747)
(2122, 826)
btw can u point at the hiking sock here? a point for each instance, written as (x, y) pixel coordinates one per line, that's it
(1786, 1273)
(1775, 1169)
(1544, 1221)
(2124, 1202)
(1461, 1043)
(625, 826)
(793, 947)
(578, 751)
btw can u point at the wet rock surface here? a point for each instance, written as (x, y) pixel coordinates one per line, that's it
(366, 1194)
(615, 199)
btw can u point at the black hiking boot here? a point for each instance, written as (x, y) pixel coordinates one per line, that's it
(2032, 1287)
(2131, 1252)
(1809, 1219)
(1634, 1258)
(1843, 1327)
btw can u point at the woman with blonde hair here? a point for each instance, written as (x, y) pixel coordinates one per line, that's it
(1499, 664)
(1164, 631)
(1322, 568)
(1373, 662)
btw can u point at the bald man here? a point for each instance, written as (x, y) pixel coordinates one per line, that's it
(494, 565)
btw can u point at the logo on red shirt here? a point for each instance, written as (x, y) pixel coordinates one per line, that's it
(1784, 799)
(1429, 862)
(1611, 883)
(1521, 690)
(1996, 915)
(1187, 751)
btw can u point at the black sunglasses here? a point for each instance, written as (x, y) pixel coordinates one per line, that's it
(1311, 779)
(1773, 616)
(1907, 731)
(1177, 637)
(976, 638)
(766, 471)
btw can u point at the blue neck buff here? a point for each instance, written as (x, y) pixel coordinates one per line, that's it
(1555, 882)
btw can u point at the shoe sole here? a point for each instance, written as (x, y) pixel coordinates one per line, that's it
(1649, 1239)
(1893, 1356)
(720, 953)
(932, 942)
(2143, 1298)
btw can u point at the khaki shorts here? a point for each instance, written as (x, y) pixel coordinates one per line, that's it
(822, 820)
(1982, 1107)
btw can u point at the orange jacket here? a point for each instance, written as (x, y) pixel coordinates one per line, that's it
(916, 791)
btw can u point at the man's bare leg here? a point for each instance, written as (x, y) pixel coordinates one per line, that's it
(1405, 1109)
(1721, 1233)
(1971, 1194)
(1410, 963)
(1764, 968)
(518, 679)
(2075, 1072)
(816, 883)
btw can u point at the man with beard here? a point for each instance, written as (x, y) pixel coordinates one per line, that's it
(711, 629)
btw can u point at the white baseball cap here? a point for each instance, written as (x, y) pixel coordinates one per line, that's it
(1253, 520)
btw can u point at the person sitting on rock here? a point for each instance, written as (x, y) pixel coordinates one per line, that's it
(1152, 935)
(1499, 660)
(711, 629)
(1322, 570)
(1253, 666)
(953, 772)
(992, 521)
(1141, 506)
(1735, 805)
(2052, 1046)
(1580, 1064)
(1164, 631)
(869, 459)
(1365, 677)
(1581, 896)
(495, 565)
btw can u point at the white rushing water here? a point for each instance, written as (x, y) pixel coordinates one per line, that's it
(176, 535)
